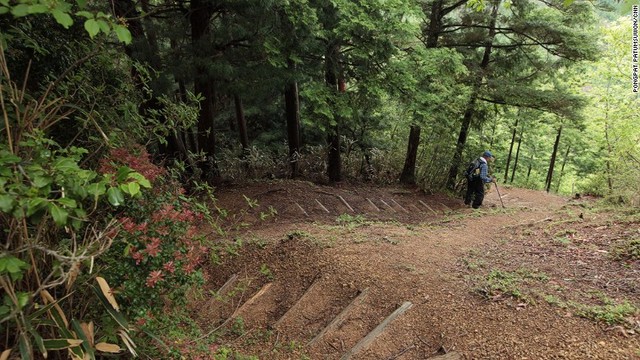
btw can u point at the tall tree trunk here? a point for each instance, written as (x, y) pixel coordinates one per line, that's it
(369, 170)
(515, 163)
(292, 109)
(552, 162)
(334, 160)
(437, 12)
(513, 140)
(199, 17)
(435, 24)
(532, 158)
(470, 110)
(609, 154)
(408, 175)
(242, 124)
(334, 166)
(564, 162)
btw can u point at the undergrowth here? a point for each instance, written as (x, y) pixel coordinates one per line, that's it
(517, 284)
(609, 311)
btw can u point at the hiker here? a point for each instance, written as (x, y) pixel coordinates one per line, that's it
(477, 175)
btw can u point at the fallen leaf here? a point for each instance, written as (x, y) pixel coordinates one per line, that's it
(106, 290)
(106, 347)
(5, 354)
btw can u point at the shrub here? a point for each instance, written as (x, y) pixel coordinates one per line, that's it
(156, 254)
(54, 219)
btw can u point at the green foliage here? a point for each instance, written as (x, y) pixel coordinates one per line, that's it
(12, 266)
(156, 254)
(609, 164)
(351, 221)
(52, 207)
(225, 353)
(627, 250)
(498, 283)
(237, 327)
(610, 312)
(62, 12)
(264, 270)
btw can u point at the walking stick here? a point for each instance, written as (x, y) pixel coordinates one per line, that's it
(496, 184)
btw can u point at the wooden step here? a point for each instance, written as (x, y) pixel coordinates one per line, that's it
(340, 318)
(224, 289)
(299, 304)
(252, 300)
(367, 340)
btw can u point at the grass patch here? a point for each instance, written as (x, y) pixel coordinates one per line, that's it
(225, 353)
(473, 264)
(564, 240)
(238, 327)
(264, 270)
(609, 311)
(627, 250)
(514, 284)
(299, 234)
(554, 300)
(258, 242)
(351, 222)
(241, 287)
(566, 232)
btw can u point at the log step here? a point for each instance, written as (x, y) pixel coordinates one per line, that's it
(367, 340)
(340, 318)
(296, 305)
(251, 300)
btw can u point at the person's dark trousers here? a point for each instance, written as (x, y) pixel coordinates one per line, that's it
(475, 193)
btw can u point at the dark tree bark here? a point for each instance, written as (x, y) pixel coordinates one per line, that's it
(609, 152)
(292, 108)
(206, 137)
(435, 24)
(530, 166)
(564, 162)
(515, 164)
(552, 162)
(436, 13)
(242, 124)
(199, 16)
(471, 106)
(334, 160)
(408, 175)
(334, 166)
(513, 140)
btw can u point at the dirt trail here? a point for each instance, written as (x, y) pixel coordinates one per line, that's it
(429, 251)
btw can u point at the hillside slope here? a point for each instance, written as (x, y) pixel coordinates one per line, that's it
(391, 273)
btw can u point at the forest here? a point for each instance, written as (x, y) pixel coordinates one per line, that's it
(121, 119)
